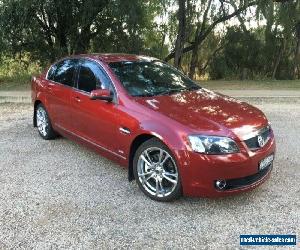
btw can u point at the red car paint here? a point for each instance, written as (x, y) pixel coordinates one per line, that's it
(98, 124)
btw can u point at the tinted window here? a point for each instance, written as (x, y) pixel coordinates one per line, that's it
(64, 72)
(143, 78)
(91, 77)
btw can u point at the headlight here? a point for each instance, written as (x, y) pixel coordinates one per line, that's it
(213, 144)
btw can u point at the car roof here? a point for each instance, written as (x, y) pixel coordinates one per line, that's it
(111, 57)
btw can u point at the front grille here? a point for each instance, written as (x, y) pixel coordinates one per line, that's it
(253, 144)
(248, 180)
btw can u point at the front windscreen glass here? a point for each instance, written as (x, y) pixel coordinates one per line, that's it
(143, 78)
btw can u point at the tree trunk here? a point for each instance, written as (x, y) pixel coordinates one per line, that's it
(180, 40)
(162, 43)
(239, 17)
(62, 37)
(268, 13)
(82, 46)
(297, 53)
(202, 69)
(278, 59)
(194, 61)
(83, 42)
(244, 75)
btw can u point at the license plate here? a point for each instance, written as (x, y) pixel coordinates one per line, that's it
(266, 162)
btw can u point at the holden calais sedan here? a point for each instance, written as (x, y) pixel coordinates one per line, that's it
(173, 136)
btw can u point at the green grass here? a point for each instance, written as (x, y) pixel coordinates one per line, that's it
(16, 83)
(252, 85)
(16, 72)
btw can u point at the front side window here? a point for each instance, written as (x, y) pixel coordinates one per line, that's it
(63, 72)
(144, 78)
(91, 77)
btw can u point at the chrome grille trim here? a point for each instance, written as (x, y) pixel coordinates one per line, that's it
(252, 142)
(256, 133)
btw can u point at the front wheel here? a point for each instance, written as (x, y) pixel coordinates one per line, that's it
(43, 123)
(156, 172)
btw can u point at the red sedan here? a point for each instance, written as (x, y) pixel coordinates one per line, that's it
(173, 136)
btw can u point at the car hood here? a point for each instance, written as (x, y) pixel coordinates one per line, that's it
(207, 111)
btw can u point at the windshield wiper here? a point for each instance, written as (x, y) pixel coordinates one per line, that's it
(171, 91)
(194, 87)
(144, 95)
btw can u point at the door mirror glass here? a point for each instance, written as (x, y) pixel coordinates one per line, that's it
(101, 94)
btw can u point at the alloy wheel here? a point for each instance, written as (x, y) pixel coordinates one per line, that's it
(157, 172)
(42, 121)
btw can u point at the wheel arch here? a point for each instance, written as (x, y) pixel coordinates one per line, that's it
(168, 137)
(138, 141)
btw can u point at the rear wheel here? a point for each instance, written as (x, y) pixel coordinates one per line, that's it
(156, 171)
(43, 123)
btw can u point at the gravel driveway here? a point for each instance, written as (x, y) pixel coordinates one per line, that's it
(57, 194)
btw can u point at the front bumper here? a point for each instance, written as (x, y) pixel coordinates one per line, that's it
(199, 172)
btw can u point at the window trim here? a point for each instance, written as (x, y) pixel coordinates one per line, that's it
(74, 75)
(115, 93)
(75, 88)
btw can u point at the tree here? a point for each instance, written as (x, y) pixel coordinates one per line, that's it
(297, 36)
(240, 56)
(209, 17)
(181, 15)
(280, 35)
(190, 33)
(53, 28)
(59, 27)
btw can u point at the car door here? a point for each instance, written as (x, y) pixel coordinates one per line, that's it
(59, 88)
(94, 120)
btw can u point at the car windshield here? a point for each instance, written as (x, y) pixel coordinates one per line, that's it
(144, 78)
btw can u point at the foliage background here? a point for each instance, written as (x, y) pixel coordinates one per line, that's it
(214, 39)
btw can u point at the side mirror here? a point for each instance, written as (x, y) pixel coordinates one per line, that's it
(101, 94)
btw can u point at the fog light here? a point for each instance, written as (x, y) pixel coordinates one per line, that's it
(220, 184)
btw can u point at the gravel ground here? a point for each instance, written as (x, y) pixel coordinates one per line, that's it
(57, 194)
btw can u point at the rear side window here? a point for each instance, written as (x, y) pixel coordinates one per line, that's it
(91, 77)
(63, 72)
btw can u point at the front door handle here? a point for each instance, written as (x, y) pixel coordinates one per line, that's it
(124, 130)
(77, 99)
(49, 86)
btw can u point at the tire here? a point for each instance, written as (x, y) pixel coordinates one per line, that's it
(43, 123)
(156, 172)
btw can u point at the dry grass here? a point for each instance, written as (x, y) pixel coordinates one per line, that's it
(18, 83)
(241, 85)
